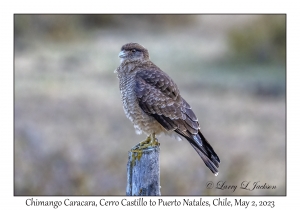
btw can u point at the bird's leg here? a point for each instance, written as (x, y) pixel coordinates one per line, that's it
(154, 140)
(150, 141)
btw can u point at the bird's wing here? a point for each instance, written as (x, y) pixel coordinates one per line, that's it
(159, 97)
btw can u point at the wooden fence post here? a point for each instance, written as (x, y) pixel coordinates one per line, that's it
(143, 175)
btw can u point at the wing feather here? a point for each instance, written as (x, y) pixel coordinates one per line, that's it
(159, 97)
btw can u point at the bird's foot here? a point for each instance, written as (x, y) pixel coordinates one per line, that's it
(151, 141)
(145, 142)
(137, 151)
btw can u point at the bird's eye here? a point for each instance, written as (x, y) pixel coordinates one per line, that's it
(133, 50)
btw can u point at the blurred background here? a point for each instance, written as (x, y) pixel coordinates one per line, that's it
(72, 136)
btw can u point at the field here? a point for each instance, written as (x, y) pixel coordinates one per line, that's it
(72, 136)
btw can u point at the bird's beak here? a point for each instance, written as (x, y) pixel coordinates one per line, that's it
(122, 54)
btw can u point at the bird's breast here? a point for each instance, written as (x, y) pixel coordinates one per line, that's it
(142, 122)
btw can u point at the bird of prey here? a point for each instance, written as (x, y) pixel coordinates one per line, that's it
(152, 102)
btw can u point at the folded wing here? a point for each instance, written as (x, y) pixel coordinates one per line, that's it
(159, 97)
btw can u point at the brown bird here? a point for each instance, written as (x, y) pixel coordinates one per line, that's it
(152, 102)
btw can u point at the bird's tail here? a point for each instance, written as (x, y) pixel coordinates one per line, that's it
(206, 152)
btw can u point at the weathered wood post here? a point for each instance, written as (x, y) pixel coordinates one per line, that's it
(143, 175)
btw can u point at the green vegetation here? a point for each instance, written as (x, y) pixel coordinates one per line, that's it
(263, 40)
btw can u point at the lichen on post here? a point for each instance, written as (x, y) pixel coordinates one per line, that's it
(143, 174)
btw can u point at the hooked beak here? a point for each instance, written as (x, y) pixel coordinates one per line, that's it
(122, 54)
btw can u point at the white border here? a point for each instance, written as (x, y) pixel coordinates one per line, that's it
(8, 201)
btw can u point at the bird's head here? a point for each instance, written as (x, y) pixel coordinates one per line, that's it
(133, 52)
